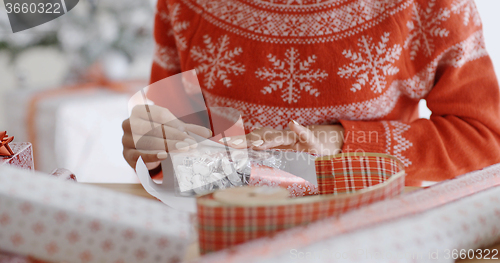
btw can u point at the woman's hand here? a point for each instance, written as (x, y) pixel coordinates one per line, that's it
(152, 131)
(316, 139)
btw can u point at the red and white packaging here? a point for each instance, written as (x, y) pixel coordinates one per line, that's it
(53, 220)
(267, 176)
(440, 223)
(23, 156)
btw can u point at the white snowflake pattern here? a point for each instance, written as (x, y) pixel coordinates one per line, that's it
(178, 27)
(468, 9)
(372, 64)
(262, 182)
(167, 57)
(401, 144)
(425, 25)
(291, 76)
(296, 190)
(216, 62)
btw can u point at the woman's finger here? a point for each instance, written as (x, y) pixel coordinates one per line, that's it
(197, 129)
(141, 127)
(151, 116)
(153, 113)
(131, 155)
(305, 136)
(266, 139)
(153, 143)
(237, 142)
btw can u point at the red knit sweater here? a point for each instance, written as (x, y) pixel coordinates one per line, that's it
(363, 63)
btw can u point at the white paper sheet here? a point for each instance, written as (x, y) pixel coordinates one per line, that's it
(165, 192)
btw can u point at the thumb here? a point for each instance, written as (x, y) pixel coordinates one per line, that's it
(305, 135)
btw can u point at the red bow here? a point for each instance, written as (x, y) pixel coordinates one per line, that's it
(5, 150)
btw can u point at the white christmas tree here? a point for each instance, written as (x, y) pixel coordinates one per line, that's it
(291, 76)
(371, 64)
(468, 9)
(425, 25)
(216, 61)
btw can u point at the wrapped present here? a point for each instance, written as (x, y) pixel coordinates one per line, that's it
(22, 156)
(331, 176)
(347, 181)
(76, 128)
(437, 223)
(60, 221)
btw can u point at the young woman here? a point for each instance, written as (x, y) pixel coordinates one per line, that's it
(349, 69)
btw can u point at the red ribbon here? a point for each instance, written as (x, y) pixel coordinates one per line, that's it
(5, 150)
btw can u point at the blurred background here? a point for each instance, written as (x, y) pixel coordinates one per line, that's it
(64, 85)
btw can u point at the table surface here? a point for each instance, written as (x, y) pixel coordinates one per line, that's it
(193, 253)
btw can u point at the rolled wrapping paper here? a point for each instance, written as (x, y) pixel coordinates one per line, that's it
(250, 195)
(346, 181)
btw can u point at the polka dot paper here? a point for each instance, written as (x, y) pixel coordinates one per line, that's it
(57, 221)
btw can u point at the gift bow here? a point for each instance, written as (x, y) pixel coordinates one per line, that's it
(5, 149)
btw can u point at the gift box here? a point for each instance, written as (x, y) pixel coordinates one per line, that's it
(346, 182)
(22, 158)
(432, 224)
(75, 128)
(60, 221)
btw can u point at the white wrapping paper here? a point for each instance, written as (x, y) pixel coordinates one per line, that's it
(80, 131)
(61, 221)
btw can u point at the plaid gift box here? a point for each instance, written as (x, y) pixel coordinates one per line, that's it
(460, 214)
(23, 156)
(353, 180)
(348, 174)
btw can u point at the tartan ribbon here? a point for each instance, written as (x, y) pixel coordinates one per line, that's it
(346, 181)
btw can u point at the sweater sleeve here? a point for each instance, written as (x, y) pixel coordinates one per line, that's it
(463, 132)
(166, 62)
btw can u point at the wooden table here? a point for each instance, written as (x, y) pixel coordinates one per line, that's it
(193, 252)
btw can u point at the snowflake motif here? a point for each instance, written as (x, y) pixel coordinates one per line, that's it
(263, 182)
(167, 57)
(372, 64)
(469, 11)
(291, 76)
(401, 144)
(178, 27)
(296, 190)
(216, 61)
(424, 27)
(311, 188)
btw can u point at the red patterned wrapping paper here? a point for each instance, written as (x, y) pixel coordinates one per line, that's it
(222, 226)
(460, 213)
(331, 175)
(23, 156)
(267, 176)
(59, 221)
